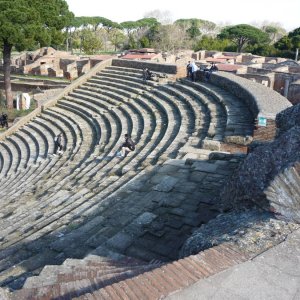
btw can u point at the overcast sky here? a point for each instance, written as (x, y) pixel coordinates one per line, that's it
(286, 12)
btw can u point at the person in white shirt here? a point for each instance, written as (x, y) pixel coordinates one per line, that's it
(194, 68)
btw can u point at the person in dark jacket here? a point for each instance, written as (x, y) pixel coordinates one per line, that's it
(4, 120)
(208, 72)
(189, 70)
(58, 146)
(146, 74)
(127, 146)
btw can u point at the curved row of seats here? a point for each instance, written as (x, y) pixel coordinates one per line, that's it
(41, 194)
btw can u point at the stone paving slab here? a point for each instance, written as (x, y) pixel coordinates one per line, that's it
(275, 274)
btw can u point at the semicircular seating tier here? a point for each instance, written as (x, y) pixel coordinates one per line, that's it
(58, 207)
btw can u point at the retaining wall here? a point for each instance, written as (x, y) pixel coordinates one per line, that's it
(153, 66)
(262, 101)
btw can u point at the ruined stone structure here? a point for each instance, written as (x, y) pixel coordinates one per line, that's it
(279, 74)
(90, 224)
(50, 62)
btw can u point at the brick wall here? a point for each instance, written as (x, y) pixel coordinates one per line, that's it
(233, 148)
(265, 133)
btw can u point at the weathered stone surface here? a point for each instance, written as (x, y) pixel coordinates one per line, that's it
(203, 166)
(197, 176)
(288, 118)
(260, 99)
(4, 294)
(252, 231)
(145, 219)
(166, 185)
(260, 168)
(240, 140)
(121, 241)
(284, 193)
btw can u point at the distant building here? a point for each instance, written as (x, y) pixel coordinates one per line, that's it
(142, 54)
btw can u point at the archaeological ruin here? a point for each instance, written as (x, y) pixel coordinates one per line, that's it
(213, 182)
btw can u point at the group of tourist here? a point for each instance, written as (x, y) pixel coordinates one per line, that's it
(192, 68)
(125, 148)
(129, 145)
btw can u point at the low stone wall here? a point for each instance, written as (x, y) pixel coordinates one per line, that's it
(153, 66)
(102, 65)
(261, 100)
(29, 87)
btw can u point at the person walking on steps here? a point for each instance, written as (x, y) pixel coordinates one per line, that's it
(127, 146)
(58, 146)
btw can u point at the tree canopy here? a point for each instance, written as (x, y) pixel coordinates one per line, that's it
(289, 43)
(243, 34)
(24, 23)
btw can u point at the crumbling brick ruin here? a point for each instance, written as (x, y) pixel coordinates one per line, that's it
(53, 63)
(279, 74)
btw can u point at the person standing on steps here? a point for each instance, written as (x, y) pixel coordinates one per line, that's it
(4, 120)
(189, 70)
(194, 69)
(145, 74)
(127, 146)
(208, 72)
(58, 146)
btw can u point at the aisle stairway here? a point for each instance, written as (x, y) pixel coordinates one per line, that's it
(94, 278)
(144, 205)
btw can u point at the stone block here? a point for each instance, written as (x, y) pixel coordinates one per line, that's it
(145, 219)
(166, 185)
(197, 176)
(140, 225)
(211, 145)
(121, 241)
(185, 187)
(172, 199)
(204, 167)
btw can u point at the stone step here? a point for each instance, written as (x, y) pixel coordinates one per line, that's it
(142, 282)
(142, 206)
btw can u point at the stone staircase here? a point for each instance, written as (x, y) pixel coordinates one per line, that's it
(126, 278)
(89, 201)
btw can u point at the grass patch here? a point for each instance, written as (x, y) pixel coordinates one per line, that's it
(26, 76)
